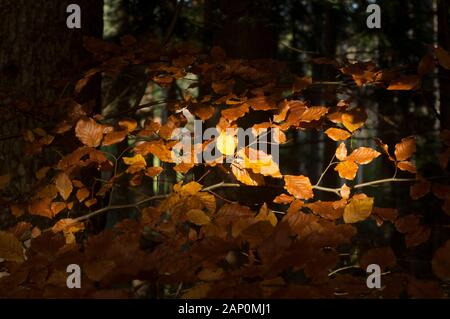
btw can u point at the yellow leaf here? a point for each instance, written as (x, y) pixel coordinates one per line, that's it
(198, 217)
(226, 143)
(345, 191)
(358, 209)
(10, 248)
(136, 163)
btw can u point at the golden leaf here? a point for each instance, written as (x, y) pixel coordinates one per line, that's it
(358, 209)
(198, 217)
(114, 138)
(226, 143)
(341, 152)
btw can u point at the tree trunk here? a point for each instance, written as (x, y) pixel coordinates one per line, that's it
(40, 59)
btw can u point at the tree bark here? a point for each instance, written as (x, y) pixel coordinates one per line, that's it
(40, 59)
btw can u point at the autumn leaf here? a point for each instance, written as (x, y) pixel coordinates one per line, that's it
(354, 119)
(347, 169)
(4, 181)
(153, 171)
(259, 162)
(313, 113)
(63, 185)
(363, 155)
(89, 132)
(191, 188)
(128, 124)
(341, 152)
(283, 199)
(114, 138)
(265, 214)
(57, 207)
(443, 57)
(82, 194)
(136, 163)
(420, 189)
(10, 248)
(299, 186)
(407, 166)
(405, 83)
(226, 143)
(198, 217)
(41, 207)
(358, 209)
(344, 191)
(384, 257)
(441, 262)
(405, 149)
(245, 176)
(337, 134)
(234, 113)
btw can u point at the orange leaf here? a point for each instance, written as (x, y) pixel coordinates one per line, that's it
(114, 138)
(299, 186)
(129, 124)
(41, 207)
(313, 113)
(347, 169)
(354, 119)
(89, 132)
(82, 194)
(405, 83)
(234, 113)
(57, 207)
(153, 171)
(283, 199)
(337, 134)
(63, 185)
(405, 149)
(363, 155)
(341, 152)
(245, 176)
(407, 166)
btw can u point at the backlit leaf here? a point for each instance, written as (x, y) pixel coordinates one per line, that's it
(358, 209)
(89, 132)
(347, 169)
(337, 134)
(405, 149)
(299, 186)
(63, 185)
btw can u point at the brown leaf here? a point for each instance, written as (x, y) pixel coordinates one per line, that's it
(441, 262)
(347, 169)
(4, 181)
(417, 237)
(10, 248)
(407, 224)
(57, 207)
(234, 113)
(299, 186)
(358, 209)
(354, 119)
(153, 171)
(246, 177)
(82, 194)
(405, 83)
(443, 57)
(89, 132)
(63, 185)
(405, 149)
(419, 189)
(326, 210)
(407, 166)
(363, 155)
(41, 207)
(114, 138)
(337, 134)
(384, 257)
(426, 64)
